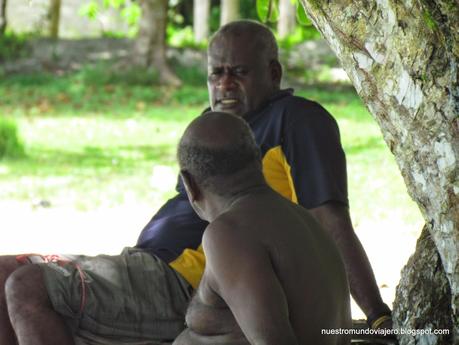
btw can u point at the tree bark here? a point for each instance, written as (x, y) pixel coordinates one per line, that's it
(2, 16)
(229, 11)
(287, 18)
(54, 18)
(201, 9)
(424, 285)
(150, 45)
(402, 57)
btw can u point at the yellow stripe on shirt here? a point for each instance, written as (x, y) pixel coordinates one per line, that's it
(277, 173)
(190, 264)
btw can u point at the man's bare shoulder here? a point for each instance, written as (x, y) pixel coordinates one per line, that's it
(225, 231)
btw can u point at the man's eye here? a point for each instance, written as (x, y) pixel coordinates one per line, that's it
(215, 73)
(240, 71)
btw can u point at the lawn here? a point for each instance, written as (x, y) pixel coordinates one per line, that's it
(100, 154)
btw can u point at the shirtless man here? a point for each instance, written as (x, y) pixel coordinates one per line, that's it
(273, 276)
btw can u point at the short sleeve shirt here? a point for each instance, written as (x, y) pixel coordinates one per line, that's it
(302, 160)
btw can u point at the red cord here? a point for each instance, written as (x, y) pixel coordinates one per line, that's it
(25, 259)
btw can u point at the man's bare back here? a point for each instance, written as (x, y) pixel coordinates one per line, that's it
(265, 243)
(272, 276)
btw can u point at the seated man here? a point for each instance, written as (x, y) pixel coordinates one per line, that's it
(108, 296)
(273, 276)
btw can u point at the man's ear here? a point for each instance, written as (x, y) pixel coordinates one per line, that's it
(276, 72)
(192, 189)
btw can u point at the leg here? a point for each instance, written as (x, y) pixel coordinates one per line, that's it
(31, 313)
(119, 305)
(8, 264)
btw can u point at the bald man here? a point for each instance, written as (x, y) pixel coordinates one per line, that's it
(273, 276)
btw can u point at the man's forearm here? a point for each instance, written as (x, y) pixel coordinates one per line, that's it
(336, 220)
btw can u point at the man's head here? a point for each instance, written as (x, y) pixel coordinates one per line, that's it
(218, 155)
(243, 67)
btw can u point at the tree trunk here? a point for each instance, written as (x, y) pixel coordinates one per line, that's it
(2, 16)
(229, 11)
(287, 18)
(150, 45)
(54, 18)
(402, 57)
(424, 285)
(201, 9)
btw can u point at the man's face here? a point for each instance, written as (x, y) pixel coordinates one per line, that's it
(239, 78)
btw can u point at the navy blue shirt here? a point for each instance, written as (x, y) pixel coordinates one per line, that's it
(302, 160)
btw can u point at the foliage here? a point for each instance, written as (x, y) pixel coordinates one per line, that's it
(300, 34)
(179, 32)
(10, 144)
(182, 37)
(12, 45)
(129, 10)
(301, 14)
(268, 12)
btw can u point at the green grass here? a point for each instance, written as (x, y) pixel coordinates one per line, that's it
(98, 137)
(10, 144)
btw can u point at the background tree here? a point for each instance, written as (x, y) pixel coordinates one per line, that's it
(287, 18)
(229, 11)
(201, 11)
(54, 18)
(150, 45)
(2, 16)
(402, 58)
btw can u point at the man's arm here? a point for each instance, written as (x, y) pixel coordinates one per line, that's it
(318, 167)
(335, 218)
(240, 271)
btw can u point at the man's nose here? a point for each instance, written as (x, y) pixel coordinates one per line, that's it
(226, 82)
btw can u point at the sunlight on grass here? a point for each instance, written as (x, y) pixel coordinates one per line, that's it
(85, 154)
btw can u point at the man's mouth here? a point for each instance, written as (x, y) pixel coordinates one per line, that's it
(228, 101)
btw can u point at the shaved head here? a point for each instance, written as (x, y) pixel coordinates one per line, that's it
(218, 146)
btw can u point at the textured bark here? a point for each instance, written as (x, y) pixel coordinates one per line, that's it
(54, 18)
(150, 46)
(201, 9)
(423, 297)
(402, 57)
(287, 18)
(229, 11)
(2, 16)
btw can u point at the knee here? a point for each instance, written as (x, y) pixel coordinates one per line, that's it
(24, 288)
